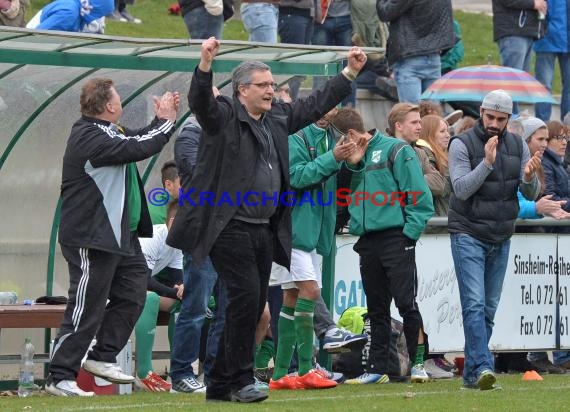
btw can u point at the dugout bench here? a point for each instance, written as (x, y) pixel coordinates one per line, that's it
(43, 317)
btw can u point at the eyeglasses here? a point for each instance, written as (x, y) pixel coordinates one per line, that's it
(562, 137)
(264, 85)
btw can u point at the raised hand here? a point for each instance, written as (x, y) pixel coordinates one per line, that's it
(166, 106)
(356, 60)
(532, 166)
(491, 150)
(210, 48)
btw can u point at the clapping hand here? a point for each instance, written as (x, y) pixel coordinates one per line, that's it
(491, 150)
(553, 208)
(532, 166)
(166, 107)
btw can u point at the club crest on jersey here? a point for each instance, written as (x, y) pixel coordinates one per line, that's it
(376, 154)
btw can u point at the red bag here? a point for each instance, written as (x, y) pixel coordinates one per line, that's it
(174, 8)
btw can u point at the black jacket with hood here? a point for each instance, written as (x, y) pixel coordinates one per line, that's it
(515, 18)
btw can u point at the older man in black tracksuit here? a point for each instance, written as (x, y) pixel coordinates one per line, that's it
(103, 211)
(244, 152)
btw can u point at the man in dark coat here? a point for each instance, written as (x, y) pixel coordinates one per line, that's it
(420, 31)
(237, 208)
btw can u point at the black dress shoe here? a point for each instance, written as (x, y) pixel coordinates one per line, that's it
(213, 395)
(248, 394)
(218, 398)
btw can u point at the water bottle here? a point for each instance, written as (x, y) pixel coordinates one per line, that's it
(26, 384)
(8, 298)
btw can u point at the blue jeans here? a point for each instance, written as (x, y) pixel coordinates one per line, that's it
(414, 75)
(515, 52)
(199, 282)
(216, 328)
(560, 356)
(480, 269)
(544, 72)
(260, 21)
(335, 31)
(295, 29)
(202, 25)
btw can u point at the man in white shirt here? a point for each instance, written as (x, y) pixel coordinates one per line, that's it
(163, 294)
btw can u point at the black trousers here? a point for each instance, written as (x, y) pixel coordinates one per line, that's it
(242, 256)
(388, 270)
(96, 276)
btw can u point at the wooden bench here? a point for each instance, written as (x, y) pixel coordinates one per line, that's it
(44, 316)
(47, 317)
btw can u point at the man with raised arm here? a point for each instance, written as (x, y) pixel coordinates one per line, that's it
(235, 213)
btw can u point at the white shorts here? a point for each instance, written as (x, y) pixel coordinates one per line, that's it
(304, 266)
(279, 275)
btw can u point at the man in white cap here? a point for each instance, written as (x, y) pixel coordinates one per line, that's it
(487, 165)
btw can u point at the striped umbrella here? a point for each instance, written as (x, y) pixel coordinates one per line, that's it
(474, 82)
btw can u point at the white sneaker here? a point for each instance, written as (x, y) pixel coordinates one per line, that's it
(66, 388)
(340, 340)
(109, 371)
(187, 385)
(419, 374)
(367, 378)
(435, 372)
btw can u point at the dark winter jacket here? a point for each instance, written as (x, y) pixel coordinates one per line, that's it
(94, 208)
(229, 150)
(186, 150)
(514, 18)
(417, 27)
(556, 178)
(490, 213)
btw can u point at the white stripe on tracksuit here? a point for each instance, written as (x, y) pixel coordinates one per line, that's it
(81, 288)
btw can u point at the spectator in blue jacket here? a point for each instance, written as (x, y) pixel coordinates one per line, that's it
(73, 15)
(554, 45)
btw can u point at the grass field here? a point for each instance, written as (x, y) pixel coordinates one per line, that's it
(477, 30)
(552, 394)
